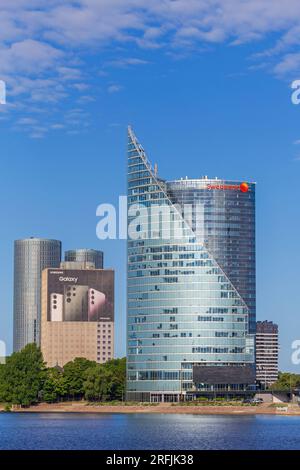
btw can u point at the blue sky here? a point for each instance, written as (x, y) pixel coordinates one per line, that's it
(206, 88)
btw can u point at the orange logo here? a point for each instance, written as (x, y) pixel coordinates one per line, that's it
(233, 187)
(244, 187)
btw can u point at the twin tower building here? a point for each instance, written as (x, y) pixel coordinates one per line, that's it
(67, 307)
(191, 289)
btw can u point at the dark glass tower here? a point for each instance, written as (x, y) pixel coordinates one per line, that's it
(191, 284)
(85, 256)
(32, 256)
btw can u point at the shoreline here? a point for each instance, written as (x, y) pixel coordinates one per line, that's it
(162, 408)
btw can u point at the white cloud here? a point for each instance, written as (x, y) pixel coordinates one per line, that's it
(28, 56)
(27, 121)
(57, 126)
(114, 88)
(76, 117)
(69, 73)
(86, 99)
(289, 63)
(43, 45)
(80, 86)
(156, 22)
(126, 62)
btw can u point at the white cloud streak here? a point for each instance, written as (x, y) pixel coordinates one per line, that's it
(43, 43)
(168, 23)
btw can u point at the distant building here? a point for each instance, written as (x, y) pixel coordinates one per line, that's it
(267, 352)
(31, 256)
(76, 265)
(77, 314)
(85, 256)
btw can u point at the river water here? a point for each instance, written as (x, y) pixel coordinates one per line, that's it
(66, 431)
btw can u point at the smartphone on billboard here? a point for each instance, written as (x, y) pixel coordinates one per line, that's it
(56, 307)
(76, 303)
(96, 304)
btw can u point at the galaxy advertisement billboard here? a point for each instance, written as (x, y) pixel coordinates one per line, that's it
(80, 295)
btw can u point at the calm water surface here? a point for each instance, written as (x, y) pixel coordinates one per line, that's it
(151, 431)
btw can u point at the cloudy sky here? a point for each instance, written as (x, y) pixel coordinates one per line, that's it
(55, 54)
(206, 85)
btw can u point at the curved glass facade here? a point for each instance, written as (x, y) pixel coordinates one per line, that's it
(191, 280)
(229, 230)
(32, 256)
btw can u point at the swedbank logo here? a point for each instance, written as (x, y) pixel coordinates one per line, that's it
(243, 187)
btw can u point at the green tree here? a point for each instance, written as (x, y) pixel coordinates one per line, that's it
(21, 378)
(106, 381)
(54, 386)
(117, 367)
(97, 383)
(286, 381)
(2, 382)
(24, 380)
(74, 376)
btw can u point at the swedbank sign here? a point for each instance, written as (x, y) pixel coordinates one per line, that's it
(243, 187)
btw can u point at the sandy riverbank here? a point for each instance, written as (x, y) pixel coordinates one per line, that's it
(164, 408)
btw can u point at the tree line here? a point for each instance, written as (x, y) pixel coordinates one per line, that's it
(25, 380)
(286, 381)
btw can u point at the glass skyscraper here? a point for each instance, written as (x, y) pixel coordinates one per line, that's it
(32, 255)
(191, 284)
